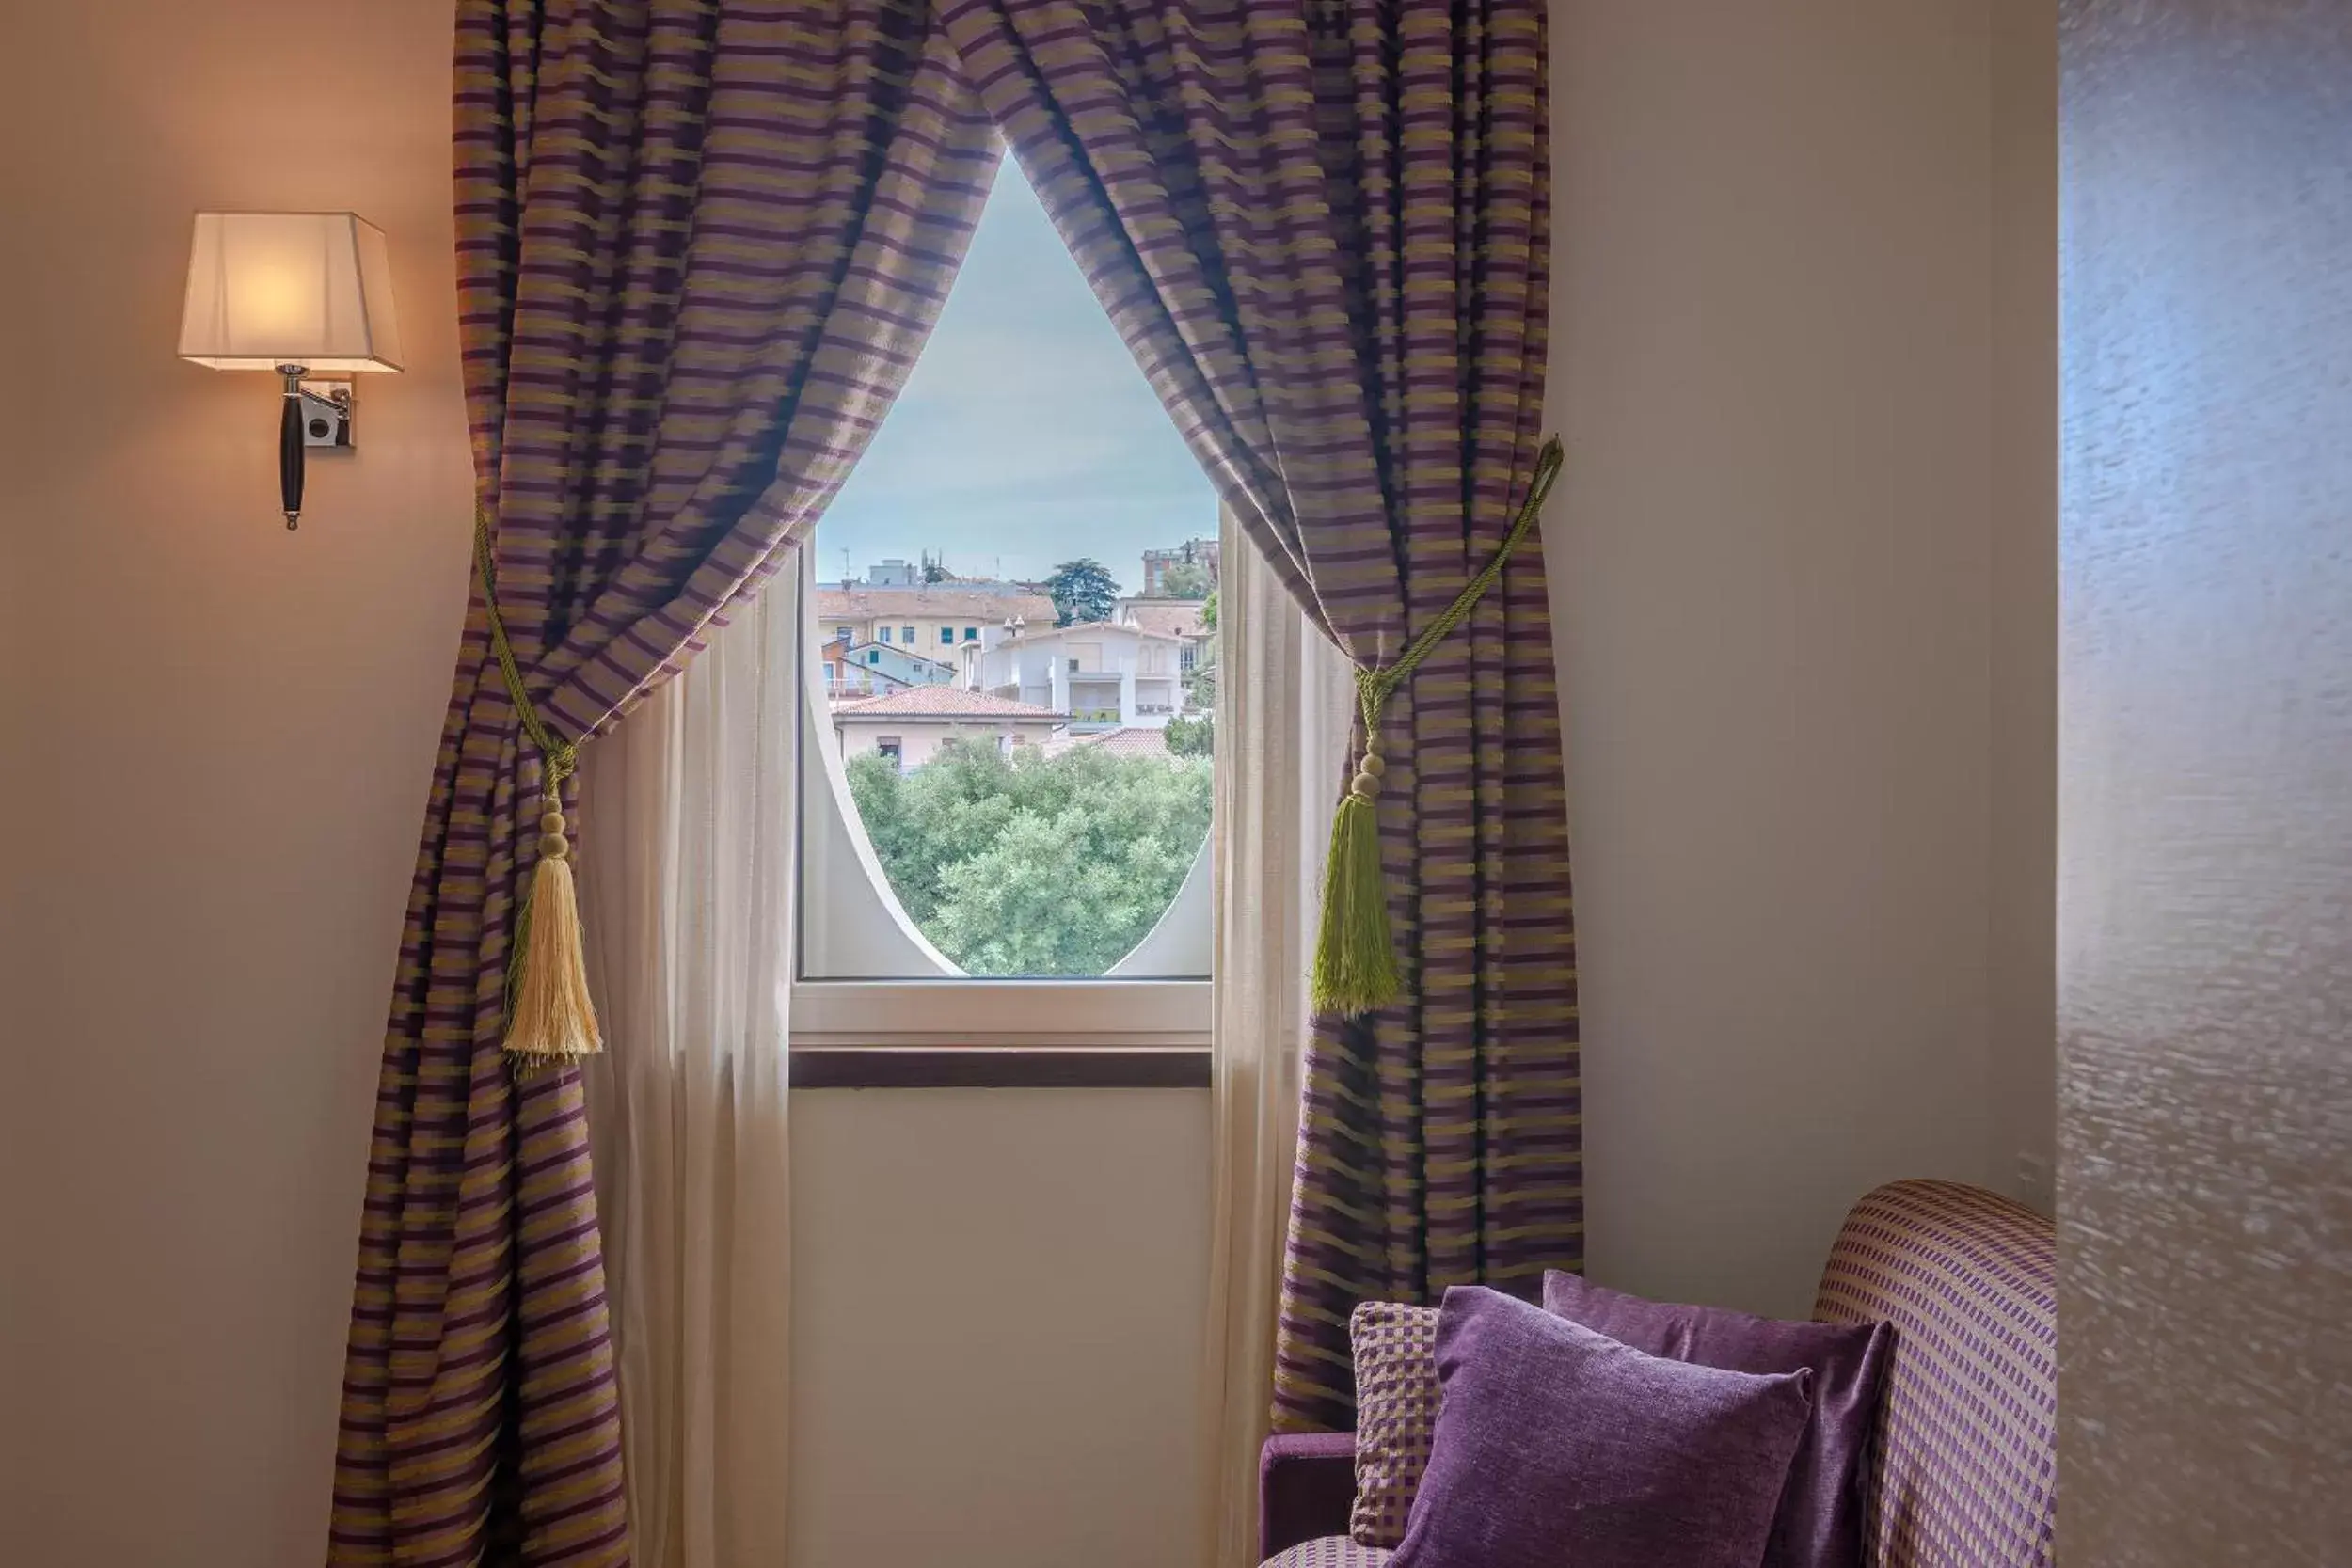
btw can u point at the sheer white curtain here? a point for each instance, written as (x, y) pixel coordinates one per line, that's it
(687, 833)
(1285, 696)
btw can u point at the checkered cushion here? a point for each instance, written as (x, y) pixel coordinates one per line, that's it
(1332, 1551)
(1963, 1469)
(1395, 1347)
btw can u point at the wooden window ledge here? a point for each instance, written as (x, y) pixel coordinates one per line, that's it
(992, 1066)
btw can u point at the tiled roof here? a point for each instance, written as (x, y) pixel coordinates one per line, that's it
(943, 702)
(941, 602)
(1168, 617)
(1132, 742)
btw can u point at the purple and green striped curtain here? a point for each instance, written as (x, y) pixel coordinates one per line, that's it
(1321, 226)
(699, 246)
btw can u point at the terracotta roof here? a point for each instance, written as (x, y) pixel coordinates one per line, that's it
(1168, 617)
(1132, 742)
(942, 702)
(941, 602)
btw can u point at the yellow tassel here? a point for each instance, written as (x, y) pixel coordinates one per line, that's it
(1355, 968)
(549, 1016)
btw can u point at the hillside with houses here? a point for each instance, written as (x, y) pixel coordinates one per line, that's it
(916, 657)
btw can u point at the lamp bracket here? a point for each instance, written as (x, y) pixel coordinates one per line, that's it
(327, 405)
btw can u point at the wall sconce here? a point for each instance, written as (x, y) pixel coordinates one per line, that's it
(308, 296)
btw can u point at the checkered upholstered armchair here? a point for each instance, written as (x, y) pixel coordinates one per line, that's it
(1963, 1472)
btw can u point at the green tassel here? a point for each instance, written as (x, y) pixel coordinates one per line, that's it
(1354, 968)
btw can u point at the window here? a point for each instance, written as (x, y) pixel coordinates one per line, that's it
(1024, 859)
(844, 634)
(873, 656)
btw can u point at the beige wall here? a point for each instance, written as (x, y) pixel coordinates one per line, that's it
(2022, 953)
(1778, 598)
(999, 1309)
(220, 767)
(1778, 604)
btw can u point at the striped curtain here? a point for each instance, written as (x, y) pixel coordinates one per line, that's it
(1321, 227)
(699, 243)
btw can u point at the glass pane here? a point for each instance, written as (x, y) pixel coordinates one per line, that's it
(1022, 572)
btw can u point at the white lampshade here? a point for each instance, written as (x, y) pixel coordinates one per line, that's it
(271, 289)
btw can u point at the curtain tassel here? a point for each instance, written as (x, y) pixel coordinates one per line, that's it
(551, 1019)
(550, 1015)
(1355, 968)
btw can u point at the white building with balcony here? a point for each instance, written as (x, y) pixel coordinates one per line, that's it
(1104, 674)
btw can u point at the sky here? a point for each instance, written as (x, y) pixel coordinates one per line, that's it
(1025, 435)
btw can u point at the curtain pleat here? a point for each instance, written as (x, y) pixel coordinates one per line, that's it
(699, 246)
(1285, 700)
(687, 833)
(1321, 230)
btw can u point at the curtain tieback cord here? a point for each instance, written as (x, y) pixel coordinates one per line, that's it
(1354, 965)
(550, 1018)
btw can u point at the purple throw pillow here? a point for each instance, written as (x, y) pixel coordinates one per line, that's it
(1820, 1522)
(1556, 1446)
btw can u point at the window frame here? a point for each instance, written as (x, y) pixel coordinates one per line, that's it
(958, 1032)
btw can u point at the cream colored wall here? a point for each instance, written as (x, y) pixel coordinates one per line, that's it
(2022, 913)
(1774, 580)
(1773, 365)
(999, 1302)
(218, 768)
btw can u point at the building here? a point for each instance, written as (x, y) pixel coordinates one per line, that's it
(1199, 552)
(910, 725)
(892, 573)
(1178, 618)
(1102, 674)
(934, 621)
(876, 669)
(1121, 742)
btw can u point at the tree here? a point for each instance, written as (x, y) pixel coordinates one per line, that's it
(1201, 686)
(1032, 865)
(1189, 737)
(1208, 611)
(1185, 580)
(1082, 590)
